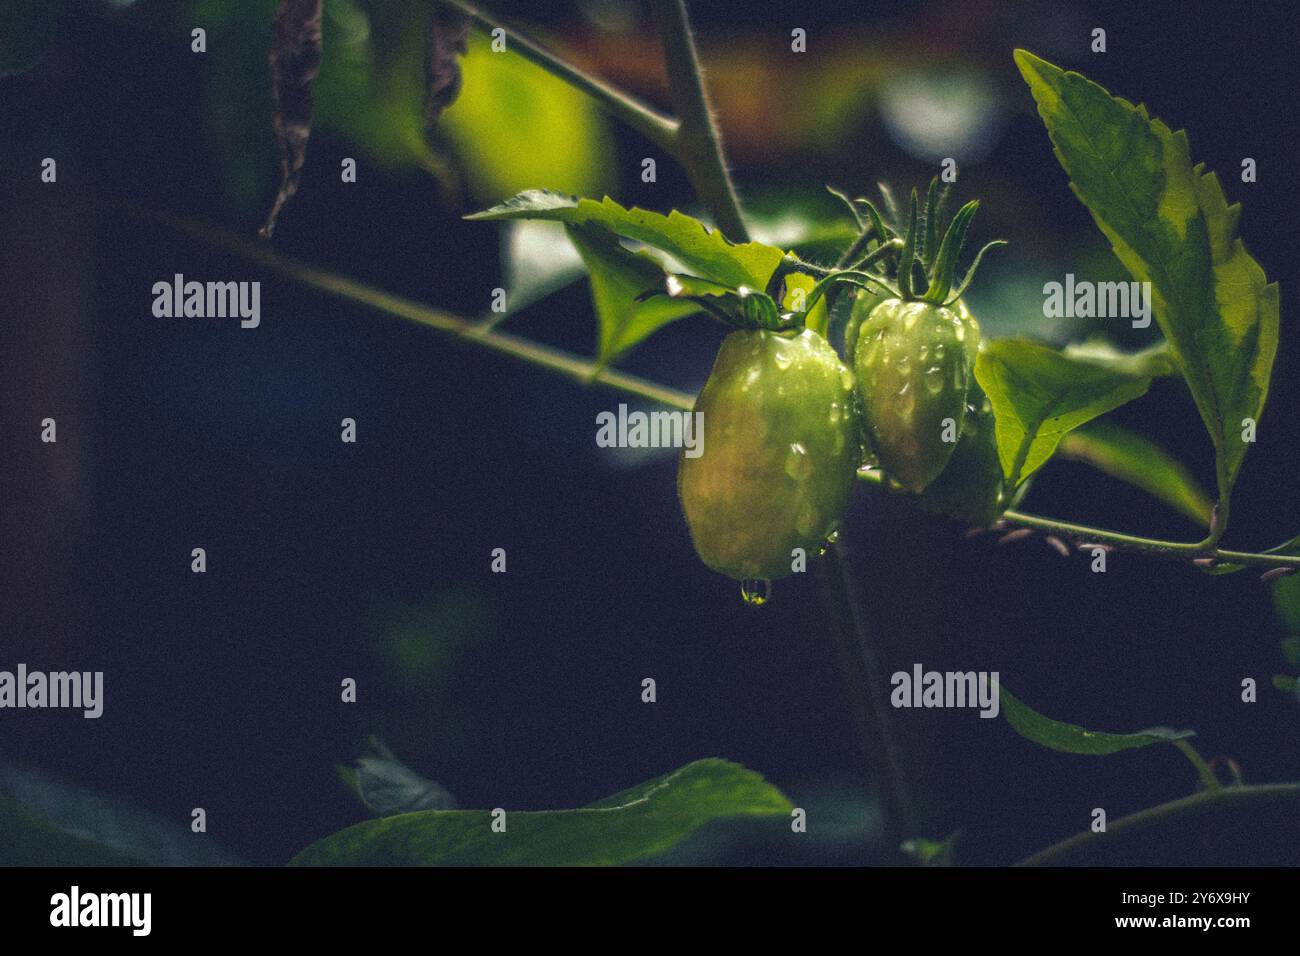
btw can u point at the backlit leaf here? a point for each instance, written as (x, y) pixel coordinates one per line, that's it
(1039, 395)
(1073, 739)
(706, 252)
(630, 827)
(1170, 224)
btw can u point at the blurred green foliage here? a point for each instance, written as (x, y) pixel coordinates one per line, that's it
(512, 127)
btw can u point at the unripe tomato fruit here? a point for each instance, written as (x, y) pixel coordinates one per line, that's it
(972, 487)
(780, 453)
(914, 365)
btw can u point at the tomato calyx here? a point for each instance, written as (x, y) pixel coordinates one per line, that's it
(740, 307)
(928, 264)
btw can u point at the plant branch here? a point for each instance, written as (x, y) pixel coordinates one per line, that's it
(660, 129)
(698, 145)
(480, 333)
(1221, 796)
(1167, 549)
(1208, 779)
(1177, 550)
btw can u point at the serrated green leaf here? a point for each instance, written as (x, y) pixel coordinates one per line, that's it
(1170, 224)
(1073, 739)
(1039, 395)
(704, 251)
(26, 29)
(629, 827)
(1141, 463)
(618, 277)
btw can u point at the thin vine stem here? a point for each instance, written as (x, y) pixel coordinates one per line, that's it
(480, 333)
(1208, 779)
(1154, 546)
(1220, 796)
(1177, 550)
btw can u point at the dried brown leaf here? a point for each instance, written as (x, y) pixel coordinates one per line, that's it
(448, 41)
(295, 61)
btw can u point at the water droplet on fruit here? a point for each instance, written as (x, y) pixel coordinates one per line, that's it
(846, 379)
(756, 591)
(797, 463)
(782, 360)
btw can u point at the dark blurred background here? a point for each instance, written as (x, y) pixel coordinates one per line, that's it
(328, 560)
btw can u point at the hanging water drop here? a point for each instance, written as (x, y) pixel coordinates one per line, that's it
(756, 591)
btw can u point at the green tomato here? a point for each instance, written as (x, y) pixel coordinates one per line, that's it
(972, 487)
(914, 365)
(864, 301)
(779, 457)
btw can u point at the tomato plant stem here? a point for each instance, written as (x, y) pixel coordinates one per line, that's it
(860, 664)
(1178, 550)
(1237, 794)
(1168, 549)
(698, 144)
